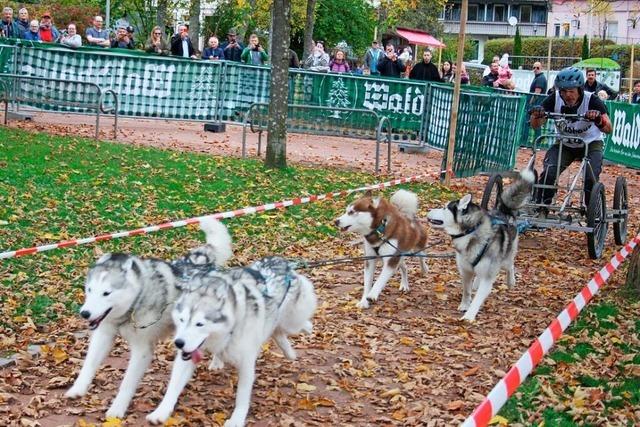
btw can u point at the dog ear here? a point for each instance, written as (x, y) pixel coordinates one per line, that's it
(368, 193)
(464, 202)
(104, 258)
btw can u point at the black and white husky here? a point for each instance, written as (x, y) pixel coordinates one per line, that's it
(231, 314)
(485, 243)
(133, 297)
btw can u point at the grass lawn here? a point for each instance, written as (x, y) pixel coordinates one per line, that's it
(55, 188)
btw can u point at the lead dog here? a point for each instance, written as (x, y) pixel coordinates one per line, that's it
(132, 297)
(485, 243)
(231, 314)
(389, 228)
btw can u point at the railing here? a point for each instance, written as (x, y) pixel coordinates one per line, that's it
(322, 120)
(67, 95)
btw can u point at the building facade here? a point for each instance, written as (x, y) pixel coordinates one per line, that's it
(491, 19)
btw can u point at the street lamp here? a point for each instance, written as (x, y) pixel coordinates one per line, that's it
(631, 22)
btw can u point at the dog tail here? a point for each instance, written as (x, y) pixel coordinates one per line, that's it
(406, 202)
(515, 195)
(218, 237)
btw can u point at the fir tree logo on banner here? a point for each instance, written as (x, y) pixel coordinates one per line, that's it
(338, 97)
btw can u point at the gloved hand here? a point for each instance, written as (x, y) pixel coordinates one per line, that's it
(595, 116)
(537, 112)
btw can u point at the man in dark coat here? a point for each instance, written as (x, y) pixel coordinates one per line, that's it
(390, 65)
(425, 70)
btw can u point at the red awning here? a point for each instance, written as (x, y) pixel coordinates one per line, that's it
(418, 37)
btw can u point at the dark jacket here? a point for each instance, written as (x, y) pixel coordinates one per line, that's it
(208, 52)
(12, 29)
(597, 87)
(390, 68)
(489, 79)
(294, 62)
(423, 71)
(232, 53)
(122, 45)
(176, 47)
(23, 25)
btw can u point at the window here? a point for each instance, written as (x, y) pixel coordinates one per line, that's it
(473, 14)
(452, 12)
(539, 15)
(499, 13)
(525, 13)
(557, 30)
(612, 30)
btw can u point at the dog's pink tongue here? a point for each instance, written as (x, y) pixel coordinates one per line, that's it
(196, 356)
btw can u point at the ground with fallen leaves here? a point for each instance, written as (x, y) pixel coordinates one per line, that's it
(407, 360)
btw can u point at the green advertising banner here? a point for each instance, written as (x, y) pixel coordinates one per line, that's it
(622, 146)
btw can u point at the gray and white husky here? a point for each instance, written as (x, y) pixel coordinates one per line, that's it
(485, 243)
(231, 314)
(133, 297)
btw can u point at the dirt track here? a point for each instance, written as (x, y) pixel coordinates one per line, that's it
(407, 360)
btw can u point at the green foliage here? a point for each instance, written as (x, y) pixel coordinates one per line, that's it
(517, 43)
(585, 47)
(538, 46)
(63, 12)
(350, 20)
(450, 52)
(419, 14)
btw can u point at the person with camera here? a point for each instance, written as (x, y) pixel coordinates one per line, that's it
(181, 43)
(318, 60)
(571, 98)
(122, 40)
(156, 42)
(70, 37)
(232, 48)
(254, 54)
(390, 65)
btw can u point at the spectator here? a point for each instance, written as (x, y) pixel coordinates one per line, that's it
(157, 43)
(390, 65)
(213, 50)
(130, 32)
(602, 94)
(294, 62)
(8, 26)
(594, 86)
(318, 60)
(425, 70)
(448, 76)
(339, 64)
(48, 32)
(33, 33)
(122, 40)
(487, 69)
(492, 77)
(23, 20)
(504, 73)
(372, 57)
(635, 97)
(539, 83)
(231, 48)
(70, 38)
(96, 36)
(464, 76)
(358, 68)
(181, 43)
(254, 54)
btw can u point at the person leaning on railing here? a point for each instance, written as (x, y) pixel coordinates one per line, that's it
(70, 37)
(96, 36)
(213, 51)
(9, 27)
(33, 33)
(156, 43)
(122, 40)
(48, 32)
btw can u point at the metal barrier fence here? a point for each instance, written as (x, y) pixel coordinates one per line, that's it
(323, 120)
(66, 95)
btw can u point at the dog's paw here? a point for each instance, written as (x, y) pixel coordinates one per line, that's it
(234, 422)
(76, 392)
(216, 364)
(364, 303)
(404, 287)
(116, 410)
(468, 318)
(159, 416)
(308, 327)
(464, 306)
(373, 296)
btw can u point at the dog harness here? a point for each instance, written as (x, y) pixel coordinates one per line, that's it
(494, 221)
(378, 233)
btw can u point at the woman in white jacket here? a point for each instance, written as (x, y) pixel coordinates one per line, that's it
(70, 38)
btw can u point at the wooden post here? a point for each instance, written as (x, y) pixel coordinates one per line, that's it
(439, 58)
(549, 59)
(631, 72)
(456, 95)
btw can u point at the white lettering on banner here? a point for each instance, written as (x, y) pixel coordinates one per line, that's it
(626, 133)
(376, 97)
(157, 80)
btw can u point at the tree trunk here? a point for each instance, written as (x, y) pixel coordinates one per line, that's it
(633, 274)
(308, 29)
(194, 23)
(161, 15)
(277, 127)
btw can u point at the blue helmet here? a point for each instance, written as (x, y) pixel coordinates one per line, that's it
(569, 78)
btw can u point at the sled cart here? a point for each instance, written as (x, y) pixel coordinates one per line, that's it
(568, 209)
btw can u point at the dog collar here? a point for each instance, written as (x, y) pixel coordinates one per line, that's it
(379, 230)
(464, 233)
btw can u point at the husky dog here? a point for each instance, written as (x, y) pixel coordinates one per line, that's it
(133, 297)
(389, 228)
(484, 243)
(231, 314)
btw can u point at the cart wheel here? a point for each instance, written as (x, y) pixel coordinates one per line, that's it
(492, 193)
(620, 202)
(597, 220)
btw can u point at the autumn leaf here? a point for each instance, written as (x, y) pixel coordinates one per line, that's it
(497, 419)
(305, 388)
(471, 372)
(112, 422)
(455, 405)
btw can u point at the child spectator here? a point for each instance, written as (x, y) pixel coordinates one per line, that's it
(339, 64)
(504, 72)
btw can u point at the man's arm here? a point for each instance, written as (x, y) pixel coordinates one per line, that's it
(537, 118)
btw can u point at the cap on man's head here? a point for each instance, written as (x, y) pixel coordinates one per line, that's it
(232, 32)
(46, 15)
(374, 42)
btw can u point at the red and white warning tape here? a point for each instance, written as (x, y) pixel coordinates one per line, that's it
(196, 220)
(491, 404)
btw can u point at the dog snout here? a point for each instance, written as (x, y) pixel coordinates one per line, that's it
(179, 343)
(337, 222)
(85, 314)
